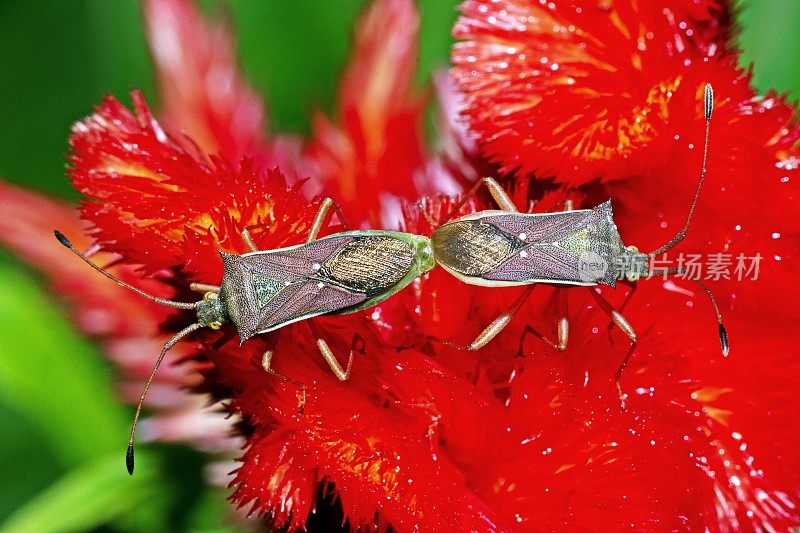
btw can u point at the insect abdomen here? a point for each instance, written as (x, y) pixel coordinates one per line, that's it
(370, 264)
(471, 247)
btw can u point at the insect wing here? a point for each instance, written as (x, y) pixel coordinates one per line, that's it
(273, 288)
(573, 247)
(266, 290)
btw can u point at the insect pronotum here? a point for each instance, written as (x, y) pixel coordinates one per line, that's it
(265, 290)
(573, 247)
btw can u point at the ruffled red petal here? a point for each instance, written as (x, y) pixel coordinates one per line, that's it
(582, 90)
(161, 205)
(374, 156)
(203, 94)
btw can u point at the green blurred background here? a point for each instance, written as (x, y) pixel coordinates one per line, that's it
(63, 433)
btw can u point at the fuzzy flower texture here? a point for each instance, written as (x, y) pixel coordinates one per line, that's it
(568, 100)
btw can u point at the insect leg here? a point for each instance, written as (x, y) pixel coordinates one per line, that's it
(497, 192)
(203, 287)
(626, 328)
(266, 364)
(248, 240)
(342, 373)
(493, 329)
(320, 219)
(624, 304)
(562, 327)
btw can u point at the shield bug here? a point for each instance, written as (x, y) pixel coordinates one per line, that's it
(264, 290)
(572, 248)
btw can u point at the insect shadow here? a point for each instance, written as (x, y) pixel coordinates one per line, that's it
(583, 247)
(264, 290)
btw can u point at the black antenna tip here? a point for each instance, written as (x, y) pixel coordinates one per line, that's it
(723, 340)
(708, 101)
(62, 238)
(129, 459)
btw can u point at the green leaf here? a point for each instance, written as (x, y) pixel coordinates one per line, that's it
(771, 43)
(54, 377)
(26, 461)
(89, 496)
(208, 514)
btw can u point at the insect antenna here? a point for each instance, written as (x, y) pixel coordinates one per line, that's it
(170, 343)
(678, 271)
(708, 104)
(163, 301)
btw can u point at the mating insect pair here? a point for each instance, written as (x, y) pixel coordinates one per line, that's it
(352, 270)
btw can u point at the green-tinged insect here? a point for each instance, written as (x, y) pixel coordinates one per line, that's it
(265, 290)
(574, 247)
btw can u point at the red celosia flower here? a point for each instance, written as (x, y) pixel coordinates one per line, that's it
(513, 437)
